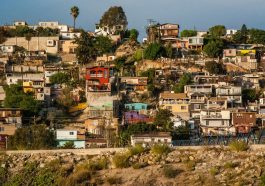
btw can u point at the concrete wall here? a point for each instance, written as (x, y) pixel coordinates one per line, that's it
(35, 44)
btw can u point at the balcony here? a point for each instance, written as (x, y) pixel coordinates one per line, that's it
(96, 75)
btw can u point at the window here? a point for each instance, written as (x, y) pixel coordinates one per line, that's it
(143, 107)
(183, 107)
(2, 128)
(71, 133)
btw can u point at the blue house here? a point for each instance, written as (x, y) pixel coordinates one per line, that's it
(136, 106)
(64, 136)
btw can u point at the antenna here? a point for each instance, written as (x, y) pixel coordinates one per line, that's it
(151, 22)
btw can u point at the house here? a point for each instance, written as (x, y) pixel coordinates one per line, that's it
(168, 30)
(64, 136)
(137, 84)
(229, 55)
(10, 120)
(14, 78)
(244, 121)
(194, 43)
(11, 116)
(136, 106)
(252, 80)
(247, 59)
(109, 30)
(2, 95)
(230, 32)
(8, 130)
(102, 104)
(96, 125)
(233, 94)
(7, 49)
(150, 139)
(175, 102)
(163, 32)
(216, 122)
(217, 103)
(204, 89)
(67, 46)
(69, 35)
(134, 117)
(178, 103)
(96, 143)
(98, 79)
(48, 44)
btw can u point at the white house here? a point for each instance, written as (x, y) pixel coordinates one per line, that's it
(151, 138)
(64, 136)
(7, 49)
(70, 35)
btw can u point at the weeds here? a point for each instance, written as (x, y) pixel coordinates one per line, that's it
(160, 149)
(238, 146)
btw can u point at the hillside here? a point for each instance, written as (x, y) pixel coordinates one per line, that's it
(196, 166)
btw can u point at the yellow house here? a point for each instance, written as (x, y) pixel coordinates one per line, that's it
(28, 86)
(67, 46)
(176, 102)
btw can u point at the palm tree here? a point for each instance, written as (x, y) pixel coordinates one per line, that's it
(74, 13)
(28, 38)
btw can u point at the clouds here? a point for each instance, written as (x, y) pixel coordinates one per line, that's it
(189, 13)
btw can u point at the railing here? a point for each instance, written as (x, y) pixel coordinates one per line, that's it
(96, 75)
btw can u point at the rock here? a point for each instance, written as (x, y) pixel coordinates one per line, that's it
(42, 165)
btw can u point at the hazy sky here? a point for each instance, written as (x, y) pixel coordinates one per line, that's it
(200, 14)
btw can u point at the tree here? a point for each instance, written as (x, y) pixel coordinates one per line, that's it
(85, 50)
(32, 137)
(163, 119)
(103, 45)
(217, 31)
(28, 38)
(184, 80)
(256, 36)
(134, 34)
(3, 35)
(60, 78)
(74, 13)
(16, 98)
(188, 33)
(114, 16)
(69, 145)
(169, 50)
(249, 95)
(242, 35)
(214, 48)
(154, 51)
(214, 68)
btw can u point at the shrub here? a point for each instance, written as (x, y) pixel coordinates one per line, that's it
(69, 145)
(230, 165)
(114, 180)
(98, 164)
(137, 149)
(169, 171)
(139, 165)
(80, 175)
(214, 171)
(190, 165)
(238, 146)
(262, 180)
(160, 149)
(121, 160)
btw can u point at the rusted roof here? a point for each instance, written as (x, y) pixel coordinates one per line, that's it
(173, 96)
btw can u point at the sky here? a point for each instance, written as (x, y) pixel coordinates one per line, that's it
(189, 14)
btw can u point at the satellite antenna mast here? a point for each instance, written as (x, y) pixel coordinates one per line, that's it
(151, 22)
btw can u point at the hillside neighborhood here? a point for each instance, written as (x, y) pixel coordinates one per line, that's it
(64, 87)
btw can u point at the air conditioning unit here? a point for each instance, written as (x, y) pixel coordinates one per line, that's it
(51, 43)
